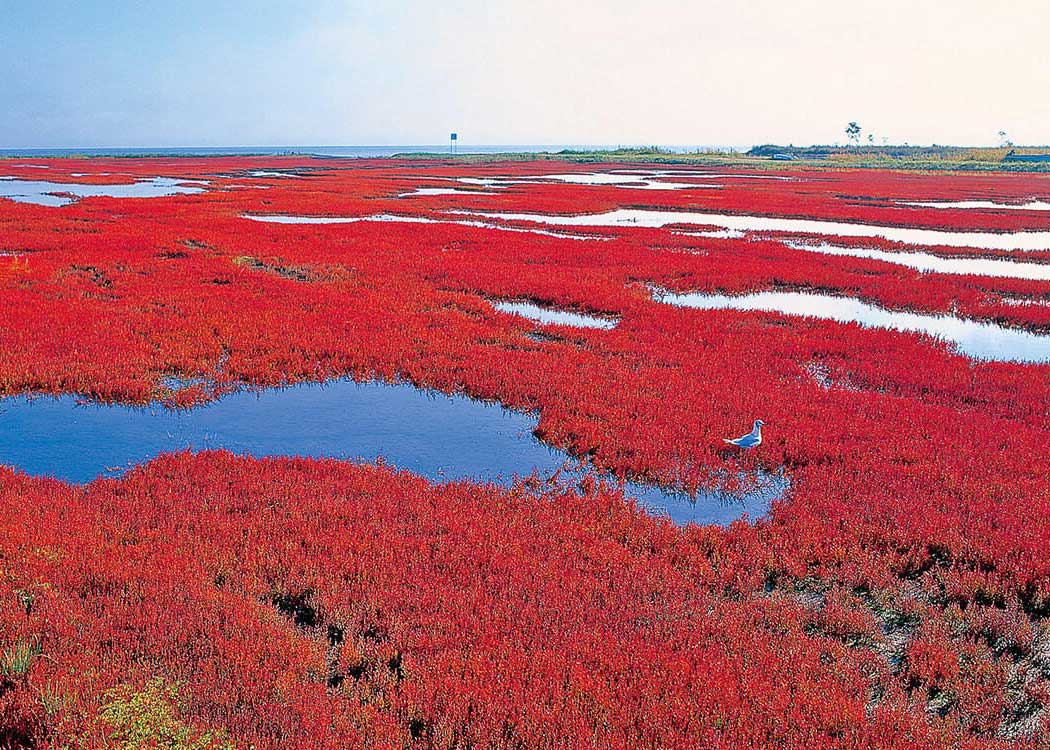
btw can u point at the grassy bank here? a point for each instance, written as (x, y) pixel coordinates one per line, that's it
(928, 158)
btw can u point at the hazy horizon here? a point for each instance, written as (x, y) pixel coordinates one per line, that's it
(385, 149)
(91, 75)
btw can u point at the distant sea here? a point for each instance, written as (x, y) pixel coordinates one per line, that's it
(343, 151)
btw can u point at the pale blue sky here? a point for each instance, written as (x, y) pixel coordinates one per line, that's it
(257, 72)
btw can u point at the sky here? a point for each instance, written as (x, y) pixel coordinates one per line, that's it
(90, 73)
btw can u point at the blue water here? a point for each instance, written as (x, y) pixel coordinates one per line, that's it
(47, 193)
(438, 436)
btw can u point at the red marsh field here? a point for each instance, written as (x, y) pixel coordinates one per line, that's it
(209, 538)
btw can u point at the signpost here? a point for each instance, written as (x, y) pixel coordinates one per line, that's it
(453, 137)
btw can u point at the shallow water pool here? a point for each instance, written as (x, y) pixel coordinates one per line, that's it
(627, 180)
(985, 341)
(438, 436)
(552, 316)
(427, 191)
(393, 218)
(1029, 206)
(929, 263)
(706, 175)
(625, 217)
(47, 193)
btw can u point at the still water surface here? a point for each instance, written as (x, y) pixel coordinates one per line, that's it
(47, 193)
(438, 436)
(985, 341)
(627, 217)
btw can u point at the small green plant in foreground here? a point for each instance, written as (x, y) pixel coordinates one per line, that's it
(18, 657)
(148, 719)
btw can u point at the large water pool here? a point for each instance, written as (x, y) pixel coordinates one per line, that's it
(47, 193)
(438, 436)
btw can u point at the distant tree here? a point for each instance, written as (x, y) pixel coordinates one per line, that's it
(1004, 139)
(853, 133)
(871, 139)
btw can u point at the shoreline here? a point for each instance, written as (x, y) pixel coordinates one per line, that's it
(895, 158)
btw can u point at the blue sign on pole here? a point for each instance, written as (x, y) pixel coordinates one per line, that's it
(453, 137)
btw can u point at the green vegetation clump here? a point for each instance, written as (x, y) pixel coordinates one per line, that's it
(17, 658)
(933, 158)
(771, 156)
(148, 719)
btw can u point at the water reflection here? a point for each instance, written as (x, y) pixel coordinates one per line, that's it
(1029, 206)
(553, 316)
(1034, 240)
(978, 340)
(927, 262)
(629, 180)
(441, 437)
(47, 193)
(427, 191)
(393, 218)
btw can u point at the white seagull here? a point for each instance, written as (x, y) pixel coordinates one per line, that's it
(751, 439)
